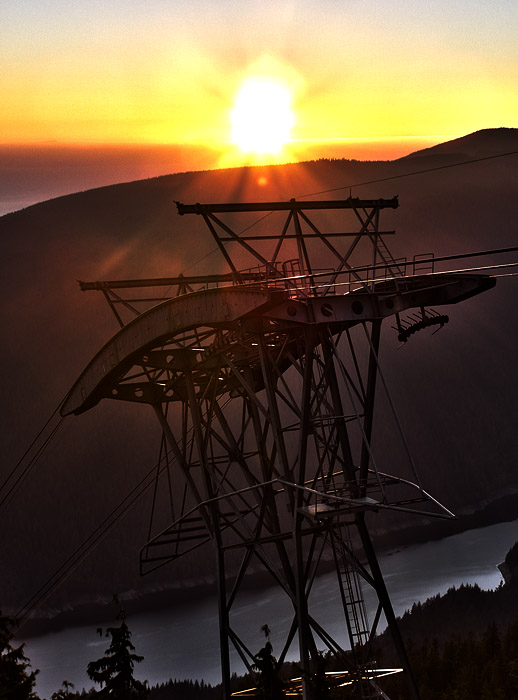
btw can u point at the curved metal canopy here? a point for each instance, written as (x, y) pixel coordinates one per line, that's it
(215, 307)
(229, 307)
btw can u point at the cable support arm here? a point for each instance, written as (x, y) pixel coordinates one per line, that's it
(291, 205)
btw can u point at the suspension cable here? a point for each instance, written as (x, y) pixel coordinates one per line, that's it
(414, 172)
(17, 465)
(20, 478)
(360, 184)
(82, 550)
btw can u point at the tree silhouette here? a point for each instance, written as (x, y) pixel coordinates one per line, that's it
(269, 685)
(114, 671)
(65, 692)
(16, 677)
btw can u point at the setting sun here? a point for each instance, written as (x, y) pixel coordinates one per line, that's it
(262, 117)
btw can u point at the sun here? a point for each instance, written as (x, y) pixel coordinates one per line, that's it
(262, 117)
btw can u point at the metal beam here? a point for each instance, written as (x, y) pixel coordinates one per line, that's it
(291, 205)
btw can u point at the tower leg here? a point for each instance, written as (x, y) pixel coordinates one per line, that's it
(223, 626)
(384, 599)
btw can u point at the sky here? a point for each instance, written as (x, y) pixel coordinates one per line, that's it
(169, 71)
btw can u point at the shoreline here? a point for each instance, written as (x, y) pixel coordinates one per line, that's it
(503, 509)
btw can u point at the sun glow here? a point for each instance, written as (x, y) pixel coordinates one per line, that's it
(262, 117)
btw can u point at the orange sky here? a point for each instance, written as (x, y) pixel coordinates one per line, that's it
(119, 71)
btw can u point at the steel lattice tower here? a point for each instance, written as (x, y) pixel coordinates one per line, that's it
(264, 381)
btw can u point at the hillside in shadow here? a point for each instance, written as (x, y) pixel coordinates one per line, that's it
(455, 391)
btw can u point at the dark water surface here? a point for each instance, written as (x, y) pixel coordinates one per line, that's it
(182, 642)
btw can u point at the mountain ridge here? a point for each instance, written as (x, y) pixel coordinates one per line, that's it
(478, 144)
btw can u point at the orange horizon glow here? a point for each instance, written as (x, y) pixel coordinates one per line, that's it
(363, 82)
(152, 159)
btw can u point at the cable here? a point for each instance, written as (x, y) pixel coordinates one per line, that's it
(383, 266)
(215, 250)
(16, 466)
(77, 556)
(360, 184)
(405, 277)
(6, 500)
(507, 274)
(4, 504)
(415, 172)
(117, 513)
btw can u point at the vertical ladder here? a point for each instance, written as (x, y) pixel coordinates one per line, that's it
(394, 268)
(292, 268)
(349, 581)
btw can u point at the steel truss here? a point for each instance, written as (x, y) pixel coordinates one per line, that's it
(264, 381)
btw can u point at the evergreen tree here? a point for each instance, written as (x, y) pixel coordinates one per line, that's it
(114, 671)
(65, 692)
(17, 679)
(269, 685)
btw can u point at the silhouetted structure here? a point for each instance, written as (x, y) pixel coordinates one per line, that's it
(263, 378)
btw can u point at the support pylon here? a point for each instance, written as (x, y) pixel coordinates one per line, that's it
(264, 380)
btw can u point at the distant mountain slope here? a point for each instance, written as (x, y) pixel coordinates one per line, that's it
(486, 142)
(455, 391)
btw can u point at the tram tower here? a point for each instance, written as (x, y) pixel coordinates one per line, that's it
(263, 377)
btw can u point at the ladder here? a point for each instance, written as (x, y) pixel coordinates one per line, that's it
(394, 268)
(349, 580)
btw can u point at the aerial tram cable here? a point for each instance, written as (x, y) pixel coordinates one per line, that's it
(81, 551)
(507, 274)
(12, 490)
(443, 258)
(360, 184)
(415, 172)
(42, 430)
(480, 268)
(56, 579)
